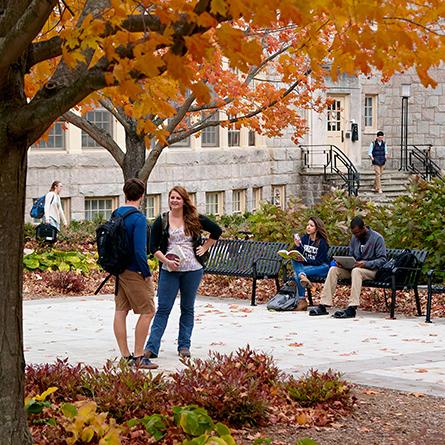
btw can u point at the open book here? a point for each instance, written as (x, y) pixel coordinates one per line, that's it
(292, 255)
(176, 253)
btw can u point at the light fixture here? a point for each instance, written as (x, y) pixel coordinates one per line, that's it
(406, 90)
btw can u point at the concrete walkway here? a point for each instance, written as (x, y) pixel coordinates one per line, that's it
(405, 353)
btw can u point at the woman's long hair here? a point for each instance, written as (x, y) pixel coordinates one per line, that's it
(192, 226)
(321, 228)
(54, 185)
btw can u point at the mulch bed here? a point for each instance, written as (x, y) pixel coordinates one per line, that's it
(380, 417)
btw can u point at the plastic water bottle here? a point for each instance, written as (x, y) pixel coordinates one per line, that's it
(297, 238)
(333, 263)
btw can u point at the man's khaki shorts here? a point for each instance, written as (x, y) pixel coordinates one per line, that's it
(135, 293)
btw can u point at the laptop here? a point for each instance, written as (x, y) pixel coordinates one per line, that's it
(346, 262)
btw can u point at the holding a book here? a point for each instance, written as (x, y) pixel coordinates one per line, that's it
(176, 242)
(312, 260)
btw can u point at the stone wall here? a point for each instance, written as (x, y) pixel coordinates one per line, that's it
(95, 173)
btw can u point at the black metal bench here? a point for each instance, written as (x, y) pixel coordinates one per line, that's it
(410, 281)
(245, 258)
(432, 289)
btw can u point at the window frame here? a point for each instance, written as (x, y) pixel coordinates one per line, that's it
(219, 203)
(211, 130)
(281, 188)
(106, 215)
(257, 197)
(373, 114)
(86, 138)
(57, 124)
(240, 202)
(156, 204)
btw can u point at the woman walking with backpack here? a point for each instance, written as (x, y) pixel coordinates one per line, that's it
(175, 241)
(53, 214)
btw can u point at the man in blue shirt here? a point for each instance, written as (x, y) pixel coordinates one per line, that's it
(378, 152)
(135, 285)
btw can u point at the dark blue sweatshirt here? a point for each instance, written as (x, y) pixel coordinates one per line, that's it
(136, 227)
(316, 252)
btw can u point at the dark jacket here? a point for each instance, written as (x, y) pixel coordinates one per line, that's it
(372, 252)
(379, 153)
(315, 253)
(159, 237)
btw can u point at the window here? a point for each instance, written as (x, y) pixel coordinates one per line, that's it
(102, 119)
(257, 197)
(334, 116)
(66, 206)
(193, 197)
(100, 207)
(370, 112)
(215, 203)
(153, 206)
(234, 136)
(252, 137)
(56, 138)
(279, 196)
(239, 201)
(210, 135)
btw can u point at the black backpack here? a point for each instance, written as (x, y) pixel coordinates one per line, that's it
(404, 259)
(112, 244)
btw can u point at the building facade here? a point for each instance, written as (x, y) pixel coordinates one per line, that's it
(232, 171)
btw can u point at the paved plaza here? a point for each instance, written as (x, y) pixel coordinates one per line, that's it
(405, 353)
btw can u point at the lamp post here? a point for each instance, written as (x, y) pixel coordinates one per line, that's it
(405, 93)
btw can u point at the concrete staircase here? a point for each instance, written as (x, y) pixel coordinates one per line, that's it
(394, 184)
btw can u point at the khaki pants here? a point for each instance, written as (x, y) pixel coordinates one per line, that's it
(357, 275)
(378, 170)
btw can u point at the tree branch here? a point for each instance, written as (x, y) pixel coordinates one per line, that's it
(116, 112)
(103, 138)
(40, 51)
(27, 27)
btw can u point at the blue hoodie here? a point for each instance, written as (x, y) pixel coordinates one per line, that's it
(136, 227)
(315, 252)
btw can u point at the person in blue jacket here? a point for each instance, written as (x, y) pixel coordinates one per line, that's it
(314, 246)
(378, 153)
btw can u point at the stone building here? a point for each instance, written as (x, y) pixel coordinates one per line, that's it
(232, 171)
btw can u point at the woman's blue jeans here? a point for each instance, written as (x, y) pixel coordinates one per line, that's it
(309, 271)
(168, 286)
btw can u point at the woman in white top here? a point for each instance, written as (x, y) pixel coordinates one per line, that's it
(53, 206)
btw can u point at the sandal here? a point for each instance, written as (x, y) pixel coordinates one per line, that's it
(318, 310)
(344, 314)
(305, 282)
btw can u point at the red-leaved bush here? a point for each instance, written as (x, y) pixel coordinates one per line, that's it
(235, 388)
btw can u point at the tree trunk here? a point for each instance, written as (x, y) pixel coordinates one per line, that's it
(135, 153)
(13, 161)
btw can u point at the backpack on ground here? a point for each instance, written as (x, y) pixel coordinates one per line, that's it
(406, 259)
(38, 208)
(113, 247)
(286, 299)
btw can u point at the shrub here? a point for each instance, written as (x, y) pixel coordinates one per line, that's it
(60, 260)
(124, 392)
(318, 388)
(67, 282)
(235, 388)
(418, 221)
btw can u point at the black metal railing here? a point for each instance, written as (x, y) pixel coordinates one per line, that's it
(332, 160)
(420, 163)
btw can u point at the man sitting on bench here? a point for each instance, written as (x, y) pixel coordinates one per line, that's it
(368, 249)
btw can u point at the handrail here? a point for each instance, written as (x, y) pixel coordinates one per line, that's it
(429, 169)
(333, 161)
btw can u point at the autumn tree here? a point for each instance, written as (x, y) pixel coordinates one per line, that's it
(158, 54)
